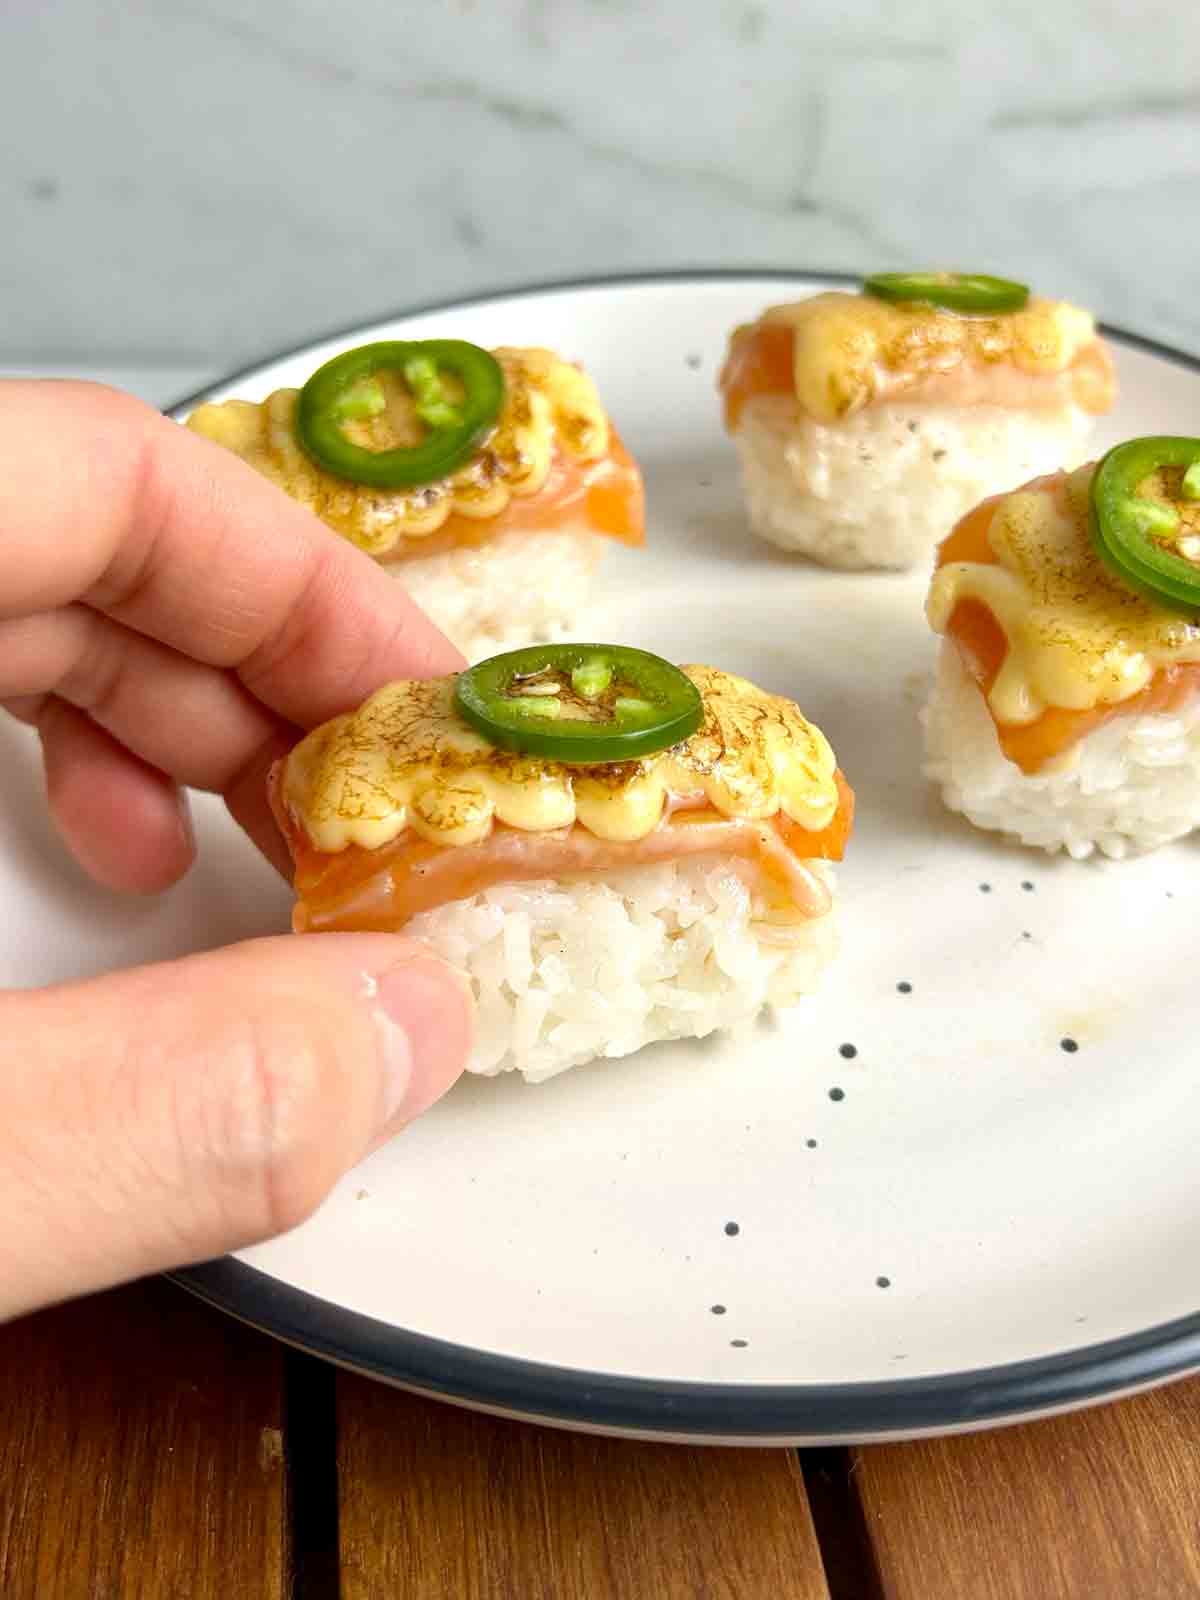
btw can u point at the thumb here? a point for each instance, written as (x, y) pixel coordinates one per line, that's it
(169, 1113)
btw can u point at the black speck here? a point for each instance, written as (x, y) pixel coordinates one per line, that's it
(847, 1051)
(837, 1094)
(1025, 933)
(43, 189)
(883, 1283)
(467, 231)
(1069, 1045)
(704, 483)
(904, 987)
(739, 1344)
(1080, 1319)
(985, 888)
(717, 1311)
(913, 426)
(939, 455)
(1027, 886)
(732, 1229)
(694, 360)
(1170, 895)
(811, 1144)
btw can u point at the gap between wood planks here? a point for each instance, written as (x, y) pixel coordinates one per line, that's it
(310, 1456)
(850, 1567)
(312, 1495)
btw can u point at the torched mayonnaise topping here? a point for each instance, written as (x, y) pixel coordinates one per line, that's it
(406, 760)
(1077, 637)
(549, 405)
(852, 349)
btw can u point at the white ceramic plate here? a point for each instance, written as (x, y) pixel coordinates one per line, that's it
(895, 1211)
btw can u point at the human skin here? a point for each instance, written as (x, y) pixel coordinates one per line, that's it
(168, 618)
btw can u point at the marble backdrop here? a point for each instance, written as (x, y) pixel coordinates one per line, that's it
(194, 182)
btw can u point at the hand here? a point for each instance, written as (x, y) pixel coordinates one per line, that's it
(168, 618)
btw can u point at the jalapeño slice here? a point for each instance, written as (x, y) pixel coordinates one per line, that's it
(974, 293)
(583, 704)
(344, 388)
(1143, 537)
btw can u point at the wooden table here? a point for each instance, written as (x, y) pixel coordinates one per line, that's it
(151, 1449)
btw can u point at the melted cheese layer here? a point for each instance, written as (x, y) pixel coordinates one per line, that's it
(549, 406)
(405, 760)
(1076, 637)
(850, 350)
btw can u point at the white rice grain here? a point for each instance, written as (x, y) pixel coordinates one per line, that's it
(518, 588)
(1127, 787)
(578, 970)
(884, 487)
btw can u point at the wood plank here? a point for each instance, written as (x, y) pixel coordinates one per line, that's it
(1103, 1502)
(141, 1453)
(436, 1503)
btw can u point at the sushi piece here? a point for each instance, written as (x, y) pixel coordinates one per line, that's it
(613, 849)
(867, 424)
(488, 483)
(1066, 711)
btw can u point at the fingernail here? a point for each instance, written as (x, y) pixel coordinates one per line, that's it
(423, 1011)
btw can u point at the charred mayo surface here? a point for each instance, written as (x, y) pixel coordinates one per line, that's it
(551, 413)
(838, 353)
(405, 760)
(1076, 637)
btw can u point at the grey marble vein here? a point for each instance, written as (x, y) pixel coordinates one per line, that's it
(1125, 108)
(201, 180)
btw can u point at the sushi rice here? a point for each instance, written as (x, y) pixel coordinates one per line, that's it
(1130, 785)
(564, 972)
(880, 488)
(517, 588)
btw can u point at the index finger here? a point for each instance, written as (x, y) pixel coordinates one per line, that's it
(104, 501)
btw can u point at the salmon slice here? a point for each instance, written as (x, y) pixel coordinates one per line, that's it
(760, 362)
(982, 646)
(605, 497)
(357, 890)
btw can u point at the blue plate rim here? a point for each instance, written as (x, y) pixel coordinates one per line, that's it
(832, 1412)
(837, 1412)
